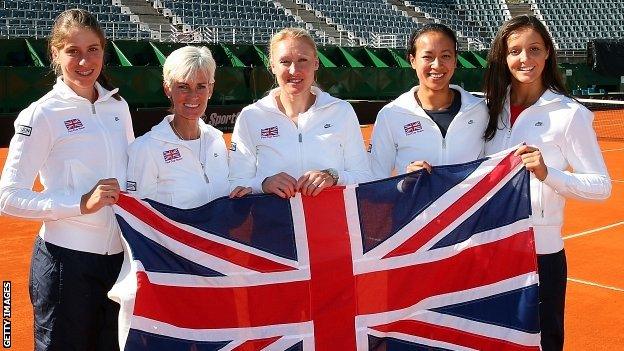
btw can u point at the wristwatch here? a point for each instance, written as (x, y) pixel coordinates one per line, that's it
(332, 173)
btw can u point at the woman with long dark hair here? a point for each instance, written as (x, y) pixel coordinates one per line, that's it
(528, 103)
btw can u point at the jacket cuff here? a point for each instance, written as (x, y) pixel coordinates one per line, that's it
(556, 179)
(256, 185)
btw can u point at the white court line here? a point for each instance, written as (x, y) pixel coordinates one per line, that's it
(617, 181)
(592, 231)
(596, 284)
(604, 102)
(609, 150)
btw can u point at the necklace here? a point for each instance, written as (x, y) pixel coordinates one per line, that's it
(445, 106)
(179, 135)
(199, 157)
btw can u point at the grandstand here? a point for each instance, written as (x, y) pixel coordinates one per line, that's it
(361, 51)
(374, 23)
(27, 19)
(574, 23)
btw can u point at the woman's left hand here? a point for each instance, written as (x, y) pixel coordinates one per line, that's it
(312, 182)
(533, 161)
(418, 165)
(240, 191)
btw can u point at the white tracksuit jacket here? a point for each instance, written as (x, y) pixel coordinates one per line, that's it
(562, 129)
(162, 168)
(403, 133)
(71, 143)
(265, 142)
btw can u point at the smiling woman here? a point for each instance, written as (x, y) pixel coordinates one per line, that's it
(78, 55)
(294, 63)
(298, 138)
(75, 139)
(79, 60)
(182, 161)
(434, 123)
(528, 103)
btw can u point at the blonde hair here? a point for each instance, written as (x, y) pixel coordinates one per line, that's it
(186, 62)
(63, 24)
(294, 33)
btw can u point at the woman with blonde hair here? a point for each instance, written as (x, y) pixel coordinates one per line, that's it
(298, 138)
(75, 138)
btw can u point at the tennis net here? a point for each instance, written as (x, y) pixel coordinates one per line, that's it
(608, 118)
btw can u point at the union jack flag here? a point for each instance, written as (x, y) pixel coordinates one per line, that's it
(73, 124)
(269, 132)
(412, 128)
(171, 155)
(440, 261)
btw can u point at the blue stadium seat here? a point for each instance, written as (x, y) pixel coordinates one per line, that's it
(572, 23)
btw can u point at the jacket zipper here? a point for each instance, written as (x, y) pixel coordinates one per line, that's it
(300, 144)
(540, 186)
(459, 114)
(108, 166)
(198, 159)
(540, 199)
(443, 158)
(203, 165)
(299, 126)
(444, 151)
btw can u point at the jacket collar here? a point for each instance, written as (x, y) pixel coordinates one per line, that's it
(323, 100)
(67, 93)
(163, 131)
(548, 97)
(407, 103)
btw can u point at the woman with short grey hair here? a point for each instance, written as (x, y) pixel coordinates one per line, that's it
(182, 161)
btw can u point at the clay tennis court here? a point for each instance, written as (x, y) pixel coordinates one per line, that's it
(594, 241)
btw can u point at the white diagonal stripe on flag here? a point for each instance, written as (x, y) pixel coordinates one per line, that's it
(233, 280)
(302, 330)
(478, 328)
(136, 224)
(439, 206)
(365, 264)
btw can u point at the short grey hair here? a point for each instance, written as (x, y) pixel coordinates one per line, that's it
(186, 62)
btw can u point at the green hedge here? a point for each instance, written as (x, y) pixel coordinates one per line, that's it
(242, 74)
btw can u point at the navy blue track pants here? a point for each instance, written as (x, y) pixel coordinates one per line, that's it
(68, 292)
(553, 273)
